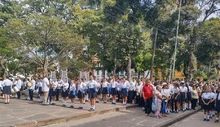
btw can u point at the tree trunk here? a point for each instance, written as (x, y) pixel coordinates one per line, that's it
(139, 74)
(191, 68)
(45, 68)
(129, 68)
(153, 55)
(103, 72)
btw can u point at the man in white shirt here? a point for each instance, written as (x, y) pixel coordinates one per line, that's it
(45, 88)
(19, 86)
(31, 89)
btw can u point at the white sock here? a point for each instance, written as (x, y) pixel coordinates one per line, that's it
(8, 100)
(204, 116)
(216, 118)
(186, 105)
(87, 98)
(190, 106)
(81, 105)
(5, 101)
(72, 104)
(64, 102)
(207, 116)
(93, 107)
(97, 99)
(84, 101)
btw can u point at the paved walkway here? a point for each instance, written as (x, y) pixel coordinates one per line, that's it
(22, 111)
(133, 117)
(196, 120)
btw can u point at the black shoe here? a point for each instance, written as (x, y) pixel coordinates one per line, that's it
(71, 106)
(207, 120)
(90, 109)
(204, 119)
(216, 121)
(86, 101)
(63, 105)
(210, 117)
(80, 108)
(97, 101)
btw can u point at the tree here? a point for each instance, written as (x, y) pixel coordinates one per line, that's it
(44, 40)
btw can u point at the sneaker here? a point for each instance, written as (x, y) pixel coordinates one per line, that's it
(105, 102)
(86, 101)
(71, 106)
(80, 108)
(207, 120)
(216, 121)
(96, 101)
(63, 105)
(204, 119)
(91, 109)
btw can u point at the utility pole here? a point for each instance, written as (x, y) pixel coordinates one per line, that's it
(176, 41)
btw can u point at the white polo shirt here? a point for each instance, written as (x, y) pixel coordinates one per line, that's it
(45, 82)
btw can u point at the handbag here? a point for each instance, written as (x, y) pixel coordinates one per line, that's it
(155, 105)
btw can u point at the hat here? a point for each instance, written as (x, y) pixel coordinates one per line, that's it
(164, 84)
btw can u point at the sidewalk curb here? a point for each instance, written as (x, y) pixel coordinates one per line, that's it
(177, 119)
(73, 117)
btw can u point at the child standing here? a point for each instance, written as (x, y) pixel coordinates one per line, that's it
(217, 103)
(206, 99)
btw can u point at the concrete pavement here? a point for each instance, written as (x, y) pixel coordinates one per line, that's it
(196, 120)
(126, 118)
(26, 113)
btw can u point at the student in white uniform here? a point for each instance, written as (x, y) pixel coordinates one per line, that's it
(113, 87)
(7, 85)
(212, 104)
(65, 87)
(40, 92)
(92, 90)
(176, 98)
(81, 92)
(119, 95)
(138, 92)
(206, 99)
(54, 85)
(72, 93)
(166, 97)
(131, 90)
(32, 88)
(124, 90)
(19, 86)
(45, 88)
(60, 84)
(183, 96)
(105, 87)
(217, 103)
(189, 97)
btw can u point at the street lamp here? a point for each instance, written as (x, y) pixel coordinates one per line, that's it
(176, 41)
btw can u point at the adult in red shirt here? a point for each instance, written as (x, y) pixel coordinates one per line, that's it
(147, 92)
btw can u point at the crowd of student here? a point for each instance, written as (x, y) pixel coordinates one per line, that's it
(161, 98)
